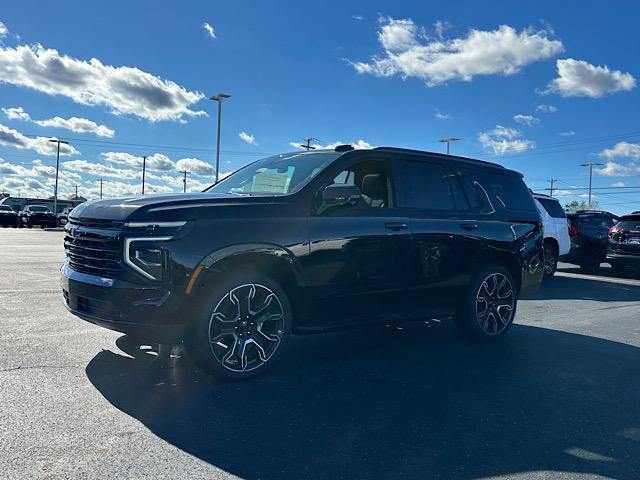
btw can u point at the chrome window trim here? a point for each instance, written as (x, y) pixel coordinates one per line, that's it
(154, 224)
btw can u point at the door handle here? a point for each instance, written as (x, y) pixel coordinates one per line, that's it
(395, 226)
(469, 226)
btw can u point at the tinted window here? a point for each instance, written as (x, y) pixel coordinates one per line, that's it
(601, 221)
(629, 223)
(475, 194)
(36, 208)
(552, 207)
(6, 208)
(423, 185)
(508, 190)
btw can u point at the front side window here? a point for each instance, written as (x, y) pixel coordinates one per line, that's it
(423, 185)
(278, 175)
(370, 176)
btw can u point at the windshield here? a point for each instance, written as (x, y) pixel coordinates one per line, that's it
(278, 175)
(37, 208)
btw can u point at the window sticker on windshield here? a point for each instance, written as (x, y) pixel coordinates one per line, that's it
(270, 182)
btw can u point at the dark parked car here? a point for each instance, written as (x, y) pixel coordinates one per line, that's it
(63, 217)
(624, 245)
(307, 242)
(8, 216)
(37, 215)
(589, 230)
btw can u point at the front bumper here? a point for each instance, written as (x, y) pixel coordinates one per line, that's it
(148, 312)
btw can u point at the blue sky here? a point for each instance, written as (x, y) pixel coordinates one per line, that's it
(538, 87)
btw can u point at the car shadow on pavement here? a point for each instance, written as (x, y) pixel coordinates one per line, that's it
(415, 402)
(571, 288)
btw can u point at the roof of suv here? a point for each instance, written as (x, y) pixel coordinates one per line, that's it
(439, 155)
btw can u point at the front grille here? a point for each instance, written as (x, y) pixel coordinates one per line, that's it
(92, 251)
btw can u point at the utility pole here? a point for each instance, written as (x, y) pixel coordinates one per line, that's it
(76, 192)
(217, 98)
(144, 168)
(55, 189)
(100, 188)
(590, 165)
(551, 181)
(308, 145)
(448, 142)
(184, 180)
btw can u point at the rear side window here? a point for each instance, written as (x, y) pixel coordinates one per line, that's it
(423, 185)
(476, 196)
(552, 207)
(509, 190)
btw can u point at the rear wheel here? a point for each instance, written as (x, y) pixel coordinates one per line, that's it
(246, 324)
(550, 260)
(489, 308)
(619, 270)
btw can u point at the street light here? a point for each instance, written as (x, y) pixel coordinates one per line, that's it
(55, 190)
(448, 142)
(218, 98)
(590, 165)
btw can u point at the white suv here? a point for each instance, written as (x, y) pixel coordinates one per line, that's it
(556, 231)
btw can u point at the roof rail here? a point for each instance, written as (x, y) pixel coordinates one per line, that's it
(439, 155)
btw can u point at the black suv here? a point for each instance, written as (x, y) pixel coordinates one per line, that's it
(307, 242)
(8, 216)
(37, 215)
(588, 230)
(624, 244)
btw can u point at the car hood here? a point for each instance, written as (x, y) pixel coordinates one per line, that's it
(137, 208)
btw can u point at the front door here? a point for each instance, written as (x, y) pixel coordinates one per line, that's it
(357, 269)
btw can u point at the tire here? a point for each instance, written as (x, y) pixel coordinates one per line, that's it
(550, 260)
(619, 270)
(255, 332)
(488, 309)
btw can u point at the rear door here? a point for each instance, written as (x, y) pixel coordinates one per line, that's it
(444, 235)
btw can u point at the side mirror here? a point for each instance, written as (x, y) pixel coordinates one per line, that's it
(339, 195)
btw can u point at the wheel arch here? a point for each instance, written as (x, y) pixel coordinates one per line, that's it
(505, 260)
(554, 243)
(270, 260)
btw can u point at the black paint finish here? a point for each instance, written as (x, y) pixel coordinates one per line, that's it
(340, 266)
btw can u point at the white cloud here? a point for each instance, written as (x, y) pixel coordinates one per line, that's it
(195, 166)
(42, 145)
(3, 30)
(157, 161)
(125, 90)
(75, 124)
(622, 150)
(614, 169)
(568, 133)
(546, 108)
(442, 116)
(502, 140)
(16, 113)
(250, 139)
(526, 119)
(358, 145)
(100, 170)
(577, 78)
(209, 29)
(618, 184)
(357, 17)
(441, 26)
(407, 52)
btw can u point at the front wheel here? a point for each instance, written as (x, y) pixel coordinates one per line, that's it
(489, 307)
(247, 323)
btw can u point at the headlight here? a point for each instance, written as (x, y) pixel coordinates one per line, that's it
(145, 256)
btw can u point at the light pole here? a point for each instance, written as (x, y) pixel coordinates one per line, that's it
(590, 165)
(55, 189)
(448, 142)
(218, 98)
(144, 168)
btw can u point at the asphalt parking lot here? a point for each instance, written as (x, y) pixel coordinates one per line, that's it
(559, 397)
